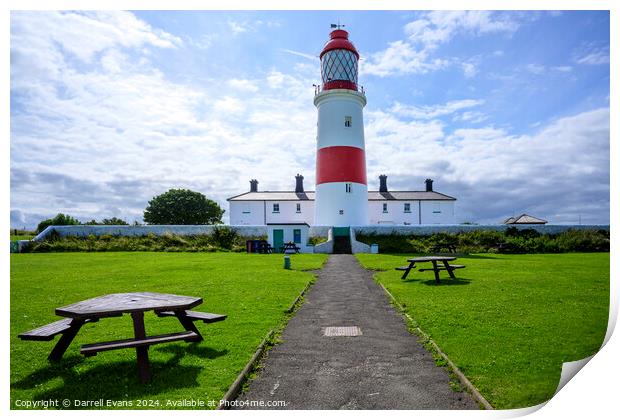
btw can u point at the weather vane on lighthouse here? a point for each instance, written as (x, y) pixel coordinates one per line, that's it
(337, 25)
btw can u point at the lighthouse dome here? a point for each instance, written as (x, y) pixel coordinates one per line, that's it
(339, 62)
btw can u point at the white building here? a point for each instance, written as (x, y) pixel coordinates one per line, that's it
(384, 207)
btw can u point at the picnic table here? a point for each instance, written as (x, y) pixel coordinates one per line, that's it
(115, 305)
(436, 267)
(290, 246)
(450, 247)
(264, 247)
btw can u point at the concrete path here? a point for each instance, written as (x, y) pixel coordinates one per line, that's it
(384, 368)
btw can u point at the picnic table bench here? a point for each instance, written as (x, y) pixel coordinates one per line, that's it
(436, 268)
(114, 305)
(450, 247)
(264, 247)
(290, 246)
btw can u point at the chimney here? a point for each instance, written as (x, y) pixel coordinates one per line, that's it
(429, 184)
(383, 183)
(253, 185)
(299, 183)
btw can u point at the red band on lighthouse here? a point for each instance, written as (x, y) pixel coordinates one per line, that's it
(340, 164)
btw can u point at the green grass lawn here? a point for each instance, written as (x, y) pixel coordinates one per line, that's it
(508, 321)
(21, 237)
(253, 290)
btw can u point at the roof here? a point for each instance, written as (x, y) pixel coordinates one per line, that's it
(524, 219)
(339, 39)
(372, 196)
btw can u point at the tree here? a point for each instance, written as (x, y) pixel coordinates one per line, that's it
(114, 221)
(182, 207)
(58, 220)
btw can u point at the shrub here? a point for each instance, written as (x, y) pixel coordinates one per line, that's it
(58, 220)
(224, 237)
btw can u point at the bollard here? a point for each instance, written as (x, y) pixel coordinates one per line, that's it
(287, 261)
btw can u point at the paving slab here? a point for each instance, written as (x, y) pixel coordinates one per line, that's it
(379, 365)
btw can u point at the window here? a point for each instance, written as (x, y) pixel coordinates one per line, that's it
(407, 208)
(348, 187)
(339, 65)
(347, 121)
(297, 236)
(276, 208)
(436, 207)
(385, 208)
(246, 209)
(340, 211)
(298, 207)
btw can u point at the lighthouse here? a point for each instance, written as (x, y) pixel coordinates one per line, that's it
(341, 190)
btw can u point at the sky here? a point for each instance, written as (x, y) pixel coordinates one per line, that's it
(506, 111)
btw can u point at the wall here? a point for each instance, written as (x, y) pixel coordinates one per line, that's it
(239, 216)
(288, 212)
(437, 212)
(83, 230)
(395, 214)
(430, 229)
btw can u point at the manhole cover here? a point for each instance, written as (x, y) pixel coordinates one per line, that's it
(342, 331)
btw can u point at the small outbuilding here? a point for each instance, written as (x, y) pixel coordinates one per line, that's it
(524, 219)
(282, 233)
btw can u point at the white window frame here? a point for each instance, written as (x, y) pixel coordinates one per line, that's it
(348, 187)
(385, 207)
(298, 207)
(276, 208)
(407, 208)
(348, 121)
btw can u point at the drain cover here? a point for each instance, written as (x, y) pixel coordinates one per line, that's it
(342, 331)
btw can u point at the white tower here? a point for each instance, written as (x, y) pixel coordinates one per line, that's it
(341, 191)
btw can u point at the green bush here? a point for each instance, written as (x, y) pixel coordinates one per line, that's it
(512, 240)
(58, 220)
(224, 237)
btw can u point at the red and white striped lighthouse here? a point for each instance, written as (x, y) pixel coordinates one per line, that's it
(341, 191)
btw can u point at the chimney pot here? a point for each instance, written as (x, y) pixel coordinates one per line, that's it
(383, 183)
(429, 184)
(299, 183)
(253, 185)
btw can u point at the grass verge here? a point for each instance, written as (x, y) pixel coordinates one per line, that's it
(508, 321)
(253, 290)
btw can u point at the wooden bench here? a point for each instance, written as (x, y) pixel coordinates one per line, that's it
(452, 267)
(195, 316)
(49, 331)
(93, 349)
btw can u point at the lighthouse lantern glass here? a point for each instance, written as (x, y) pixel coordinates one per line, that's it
(339, 65)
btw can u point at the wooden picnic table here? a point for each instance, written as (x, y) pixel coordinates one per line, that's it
(436, 268)
(114, 305)
(290, 246)
(450, 247)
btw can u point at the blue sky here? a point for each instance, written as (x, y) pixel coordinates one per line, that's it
(506, 111)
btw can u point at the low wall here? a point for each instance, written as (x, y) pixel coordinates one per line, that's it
(98, 230)
(431, 229)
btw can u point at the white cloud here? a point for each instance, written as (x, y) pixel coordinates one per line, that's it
(416, 54)
(506, 171)
(434, 111)
(469, 69)
(400, 57)
(243, 85)
(101, 140)
(438, 27)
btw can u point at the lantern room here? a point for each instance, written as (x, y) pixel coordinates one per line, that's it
(339, 62)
